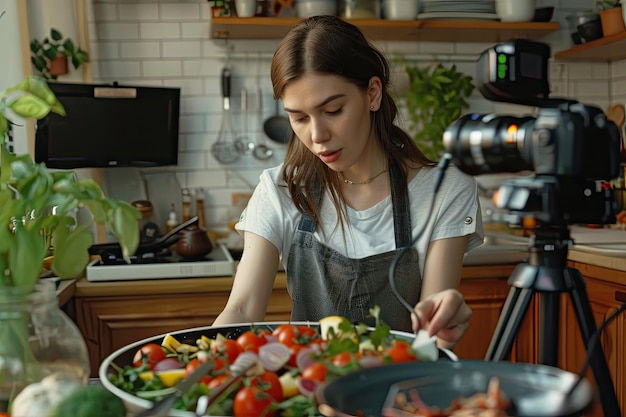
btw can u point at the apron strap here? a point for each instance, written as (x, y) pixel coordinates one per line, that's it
(401, 209)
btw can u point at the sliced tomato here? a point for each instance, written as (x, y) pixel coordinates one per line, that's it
(252, 402)
(151, 353)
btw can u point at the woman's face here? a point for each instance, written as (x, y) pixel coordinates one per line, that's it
(331, 117)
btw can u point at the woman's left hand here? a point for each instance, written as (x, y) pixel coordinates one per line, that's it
(444, 314)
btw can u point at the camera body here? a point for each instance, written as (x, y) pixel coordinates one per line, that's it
(571, 147)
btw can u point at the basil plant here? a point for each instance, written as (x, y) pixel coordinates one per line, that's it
(36, 203)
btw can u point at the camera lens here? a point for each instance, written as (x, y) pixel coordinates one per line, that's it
(487, 143)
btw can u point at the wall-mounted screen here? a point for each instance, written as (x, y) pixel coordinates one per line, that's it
(110, 126)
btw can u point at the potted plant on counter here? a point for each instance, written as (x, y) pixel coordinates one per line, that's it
(36, 221)
(434, 97)
(50, 56)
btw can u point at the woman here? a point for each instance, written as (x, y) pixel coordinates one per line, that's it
(353, 189)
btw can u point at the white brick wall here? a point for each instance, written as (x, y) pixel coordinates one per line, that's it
(167, 42)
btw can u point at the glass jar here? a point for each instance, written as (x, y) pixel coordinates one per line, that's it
(36, 339)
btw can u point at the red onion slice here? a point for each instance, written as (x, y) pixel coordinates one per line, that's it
(273, 356)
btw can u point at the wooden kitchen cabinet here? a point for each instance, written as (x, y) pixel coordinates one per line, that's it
(382, 29)
(606, 289)
(112, 315)
(485, 289)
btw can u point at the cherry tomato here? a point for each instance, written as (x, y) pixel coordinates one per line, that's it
(151, 353)
(228, 349)
(290, 335)
(252, 402)
(285, 334)
(400, 351)
(251, 341)
(270, 383)
(293, 359)
(315, 372)
(191, 366)
(342, 359)
(206, 380)
(217, 381)
(307, 331)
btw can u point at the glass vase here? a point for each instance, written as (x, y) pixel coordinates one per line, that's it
(36, 339)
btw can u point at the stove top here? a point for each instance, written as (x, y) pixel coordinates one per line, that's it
(217, 263)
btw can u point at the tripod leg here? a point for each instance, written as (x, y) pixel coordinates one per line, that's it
(599, 367)
(549, 303)
(513, 311)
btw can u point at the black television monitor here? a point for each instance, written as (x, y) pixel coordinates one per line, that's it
(110, 126)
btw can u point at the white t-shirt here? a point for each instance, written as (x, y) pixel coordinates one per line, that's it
(456, 212)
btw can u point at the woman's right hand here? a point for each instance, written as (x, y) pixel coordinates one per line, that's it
(444, 314)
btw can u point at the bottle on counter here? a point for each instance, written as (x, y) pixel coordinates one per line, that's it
(200, 208)
(186, 205)
(172, 218)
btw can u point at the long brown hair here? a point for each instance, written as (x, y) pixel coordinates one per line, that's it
(327, 44)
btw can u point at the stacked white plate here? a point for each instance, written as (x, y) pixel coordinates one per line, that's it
(458, 9)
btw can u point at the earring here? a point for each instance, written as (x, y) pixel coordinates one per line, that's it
(372, 108)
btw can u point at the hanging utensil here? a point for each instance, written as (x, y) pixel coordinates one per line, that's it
(277, 127)
(224, 147)
(243, 143)
(261, 150)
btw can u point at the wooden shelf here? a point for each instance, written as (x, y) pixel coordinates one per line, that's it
(381, 29)
(608, 48)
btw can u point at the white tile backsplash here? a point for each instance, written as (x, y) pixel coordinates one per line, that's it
(167, 42)
(159, 30)
(138, 12)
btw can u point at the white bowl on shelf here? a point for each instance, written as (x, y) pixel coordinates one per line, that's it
(307, 8)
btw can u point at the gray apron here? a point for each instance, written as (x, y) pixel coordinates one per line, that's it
(322, 282)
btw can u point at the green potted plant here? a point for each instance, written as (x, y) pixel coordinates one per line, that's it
(435, 97)
(611, 16)
(35, 222)
(50, 55)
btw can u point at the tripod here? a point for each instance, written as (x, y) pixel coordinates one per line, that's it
(547, 274)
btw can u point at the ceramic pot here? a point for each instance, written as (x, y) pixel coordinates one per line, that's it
(612, 21)
(36, 339)
(58, 66)
(245, 8)
(193, 242)
(515, 10)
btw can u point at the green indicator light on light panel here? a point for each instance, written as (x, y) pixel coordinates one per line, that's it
(501, 71)
(502, 59)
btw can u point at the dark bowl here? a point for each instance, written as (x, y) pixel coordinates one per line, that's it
(536, 390)
(590, 31)
(543, 14)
